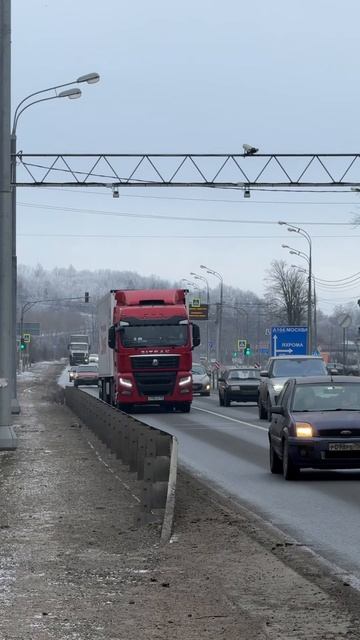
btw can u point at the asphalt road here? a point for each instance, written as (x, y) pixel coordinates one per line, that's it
(228, 447)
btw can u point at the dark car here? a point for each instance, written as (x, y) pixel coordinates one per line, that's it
(239, 385)
(86, 374)
(316, 424)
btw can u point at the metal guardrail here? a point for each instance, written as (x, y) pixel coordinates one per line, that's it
(150, 453)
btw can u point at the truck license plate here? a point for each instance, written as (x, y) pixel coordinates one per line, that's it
(344, 446)
(155, 397)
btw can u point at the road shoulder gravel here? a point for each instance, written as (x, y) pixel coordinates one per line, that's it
(73, 565)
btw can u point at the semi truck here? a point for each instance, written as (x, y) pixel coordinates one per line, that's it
(79, 349)
(145, 348)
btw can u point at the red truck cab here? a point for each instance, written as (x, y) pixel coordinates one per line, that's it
(151, 341)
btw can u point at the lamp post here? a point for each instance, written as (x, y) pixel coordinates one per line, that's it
(314, 334)
(293, 229)
(219, 335)
(7, 435)
(74, 92)
(199, 277)
(190, 283)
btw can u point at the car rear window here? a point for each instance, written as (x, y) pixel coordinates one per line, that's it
(244, 374)
(297, 367)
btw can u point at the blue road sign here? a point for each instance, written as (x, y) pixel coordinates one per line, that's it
(264, 351)
(288, 341)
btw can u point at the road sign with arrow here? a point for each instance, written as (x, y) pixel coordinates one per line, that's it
(288, 341)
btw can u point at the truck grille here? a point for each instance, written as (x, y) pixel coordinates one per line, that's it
(155, 362)
(155, 383)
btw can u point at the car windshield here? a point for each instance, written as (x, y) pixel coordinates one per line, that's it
(154, 335)
(327, 397)
(244, 374)
(198, 370)
(88, 369)
(297, 367)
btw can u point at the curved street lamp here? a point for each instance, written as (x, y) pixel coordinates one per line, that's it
(302, 232)
(71, 93)
(219, 336)
(203, 279)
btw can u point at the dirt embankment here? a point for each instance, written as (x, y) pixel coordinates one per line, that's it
(74, 566)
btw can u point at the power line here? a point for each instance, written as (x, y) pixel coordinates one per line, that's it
(221, 200)
(153, 216)
(174, 236)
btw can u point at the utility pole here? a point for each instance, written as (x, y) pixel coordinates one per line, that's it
(7, 436)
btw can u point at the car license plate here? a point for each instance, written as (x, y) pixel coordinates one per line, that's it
(344, 446)
(155, 397)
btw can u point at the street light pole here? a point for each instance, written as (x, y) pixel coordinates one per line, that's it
(89, 78)
(314, 333)
(292, 228)
(7, 436)
(199, 277)
(212, 272)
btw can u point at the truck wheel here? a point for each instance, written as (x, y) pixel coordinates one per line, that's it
(185, 407)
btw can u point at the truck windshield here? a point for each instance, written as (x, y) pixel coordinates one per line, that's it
(154, 336)
(79, 346)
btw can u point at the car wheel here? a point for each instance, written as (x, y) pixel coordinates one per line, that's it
(227, 400)
(206, 395)
(221, 401)
(268, 409)
(275, 462)
(289, 469)
(76, 384)
(262, 412)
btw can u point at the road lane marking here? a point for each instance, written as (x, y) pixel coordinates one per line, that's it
(220, 415)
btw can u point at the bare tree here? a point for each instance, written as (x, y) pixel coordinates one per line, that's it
(286, 292)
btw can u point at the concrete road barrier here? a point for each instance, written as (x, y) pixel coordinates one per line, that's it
(148, 452)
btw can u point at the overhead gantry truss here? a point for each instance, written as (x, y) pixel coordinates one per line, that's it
(215, 170)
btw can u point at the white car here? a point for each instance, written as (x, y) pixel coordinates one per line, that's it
(93, 358)
(201, 380)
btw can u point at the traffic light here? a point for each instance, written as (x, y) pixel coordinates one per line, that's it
(22, 344)
(87, 297)
(247, 350)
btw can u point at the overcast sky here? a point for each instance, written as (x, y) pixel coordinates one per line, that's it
(189, 76)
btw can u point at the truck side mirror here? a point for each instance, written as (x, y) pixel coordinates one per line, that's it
(196, 335)
(111, 337)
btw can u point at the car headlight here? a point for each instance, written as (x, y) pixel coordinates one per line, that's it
(184, 381)
(125, 383)
(278, 387)
(303, 430)
(207, 387)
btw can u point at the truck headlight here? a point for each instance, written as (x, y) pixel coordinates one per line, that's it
(125, 383)
(184, 381)
(304, 430)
